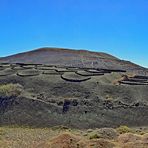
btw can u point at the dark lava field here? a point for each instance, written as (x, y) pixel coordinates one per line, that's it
(75, 88)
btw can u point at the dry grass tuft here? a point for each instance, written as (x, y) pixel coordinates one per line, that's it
(8, 90)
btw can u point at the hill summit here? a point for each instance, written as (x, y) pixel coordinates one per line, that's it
(72, 58)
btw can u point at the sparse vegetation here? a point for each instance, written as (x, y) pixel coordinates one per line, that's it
(94, 136)
(109, 98)
(124, 129)
(18, 137)
(60, 128)
(8, 90)
(1, 131)
(60, 103)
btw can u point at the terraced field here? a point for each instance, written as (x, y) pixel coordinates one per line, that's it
(79, 89)
(73, 96)
(74, 74)
(135, 80)
(67, 73)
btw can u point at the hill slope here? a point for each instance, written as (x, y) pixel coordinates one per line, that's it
(49, 87)
(73, 58)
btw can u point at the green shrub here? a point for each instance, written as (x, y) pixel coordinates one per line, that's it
(94, 136)
(1, 132)
(8, 90)
(60, 127)
(124, 129)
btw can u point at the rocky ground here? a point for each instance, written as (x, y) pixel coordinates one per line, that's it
(63, 137)
(70, 96)
(72, 99)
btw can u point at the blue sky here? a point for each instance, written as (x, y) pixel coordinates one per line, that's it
(118, 27)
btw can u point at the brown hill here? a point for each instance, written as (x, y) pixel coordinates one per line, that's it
(72, 58)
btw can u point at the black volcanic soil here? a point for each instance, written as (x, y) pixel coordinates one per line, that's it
(79, 89)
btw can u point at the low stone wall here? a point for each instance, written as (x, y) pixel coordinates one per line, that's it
(74, 77)
(26, 73)
(84, 73)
